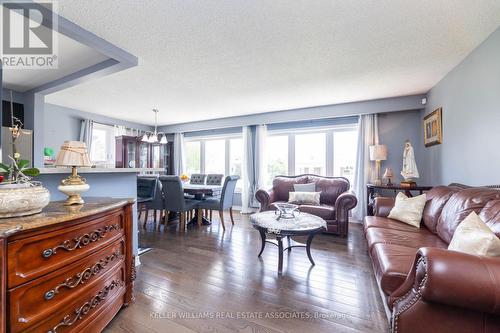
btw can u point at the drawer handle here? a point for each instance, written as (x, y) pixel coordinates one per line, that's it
(81, 241)
(81, 278)
(87, 306)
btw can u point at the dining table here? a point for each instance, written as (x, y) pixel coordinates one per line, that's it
(200, 192)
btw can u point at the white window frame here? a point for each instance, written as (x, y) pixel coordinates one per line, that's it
(329, 144)
(227, 157)
(110, 144)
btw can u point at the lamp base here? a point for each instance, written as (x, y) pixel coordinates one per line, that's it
(74, 193)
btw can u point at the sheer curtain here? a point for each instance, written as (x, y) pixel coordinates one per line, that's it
(86, 132)
(179, 154)
(367, 136)
(254, 165)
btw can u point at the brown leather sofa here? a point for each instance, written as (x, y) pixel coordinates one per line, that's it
(335, 200)
(427, 287)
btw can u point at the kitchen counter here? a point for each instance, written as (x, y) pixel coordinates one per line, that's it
(47, 171)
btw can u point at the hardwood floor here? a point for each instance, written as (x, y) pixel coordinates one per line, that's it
(207, 280)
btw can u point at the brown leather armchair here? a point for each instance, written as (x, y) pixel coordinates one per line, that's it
(335, 200)
(427, 287)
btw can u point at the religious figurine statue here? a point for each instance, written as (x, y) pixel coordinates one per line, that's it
(410, 170)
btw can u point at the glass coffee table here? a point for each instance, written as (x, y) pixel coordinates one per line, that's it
(302, 224)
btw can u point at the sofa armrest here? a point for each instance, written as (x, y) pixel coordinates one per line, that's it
(344, 203)
(382, 206)
(265, 198)
(451, 278)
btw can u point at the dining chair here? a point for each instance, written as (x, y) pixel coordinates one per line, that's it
(174, 201)
(213, 179)
(156, 204)
(146, 187)
(198, 179)
(220, 204)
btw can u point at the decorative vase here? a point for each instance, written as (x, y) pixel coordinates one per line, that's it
(22, 200)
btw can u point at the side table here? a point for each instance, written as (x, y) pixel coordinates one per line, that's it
(371, 188)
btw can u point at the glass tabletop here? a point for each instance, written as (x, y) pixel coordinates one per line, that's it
(302, 222)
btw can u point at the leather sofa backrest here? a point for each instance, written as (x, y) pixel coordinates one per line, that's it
(436, 199)
(330, 187)
(490, 215)
(283, 185)
(460, 205)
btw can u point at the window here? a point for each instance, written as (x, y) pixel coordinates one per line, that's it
(344, 153)
(193, 157)
(215, 156)
(277, 156)
(102, 148)
(326, 152)
(310, 154)
(221, 155)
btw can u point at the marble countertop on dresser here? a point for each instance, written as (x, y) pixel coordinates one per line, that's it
(47, 171)
(55, 212)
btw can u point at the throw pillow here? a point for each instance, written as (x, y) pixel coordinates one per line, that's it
(309, 187)
(473, 236)
(408, 210)
(304, 198)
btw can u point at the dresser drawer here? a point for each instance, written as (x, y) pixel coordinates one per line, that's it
(32, 257)
(37, 299)
(85, 308)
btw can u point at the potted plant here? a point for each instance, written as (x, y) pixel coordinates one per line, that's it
(19, 194)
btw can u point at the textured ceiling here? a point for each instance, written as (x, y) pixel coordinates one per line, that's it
(218, 58)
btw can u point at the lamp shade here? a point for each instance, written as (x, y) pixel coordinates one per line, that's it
(73, 153)
(388, 173)
(378, 152)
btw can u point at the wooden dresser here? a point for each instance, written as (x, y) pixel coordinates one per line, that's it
(67, 269)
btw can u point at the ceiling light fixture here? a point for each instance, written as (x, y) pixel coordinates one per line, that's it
(152, 137)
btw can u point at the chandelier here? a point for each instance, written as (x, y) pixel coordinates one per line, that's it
(152, 137)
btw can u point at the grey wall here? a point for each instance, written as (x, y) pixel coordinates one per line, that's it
(470, 98)
(61, 124)
(394, 129)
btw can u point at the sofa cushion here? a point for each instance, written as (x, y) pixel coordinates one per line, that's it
(460, 205)
(437, 197)
(490, 214)
(474, 237)
(330, 188)
(284, 185)
(404, 238)
(408, 209)
(304, 198)
(391, 264)
(384, 222)
(309, 187)
(326, 212)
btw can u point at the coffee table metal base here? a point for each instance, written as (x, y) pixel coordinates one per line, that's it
(290, 244)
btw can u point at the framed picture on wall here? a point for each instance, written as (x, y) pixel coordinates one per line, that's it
(433, 128)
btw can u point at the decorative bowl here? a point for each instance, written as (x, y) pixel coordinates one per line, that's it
(22, 199)
(286, 211)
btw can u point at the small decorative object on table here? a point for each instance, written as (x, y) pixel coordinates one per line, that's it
(410, 170)
(19, 194)
(184, 178)
(378, 153)
(286, 211)
(73, 154)
(388, 174)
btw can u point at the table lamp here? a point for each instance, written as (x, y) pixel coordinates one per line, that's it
(378, 153)
(73, 154)
(388, 174)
